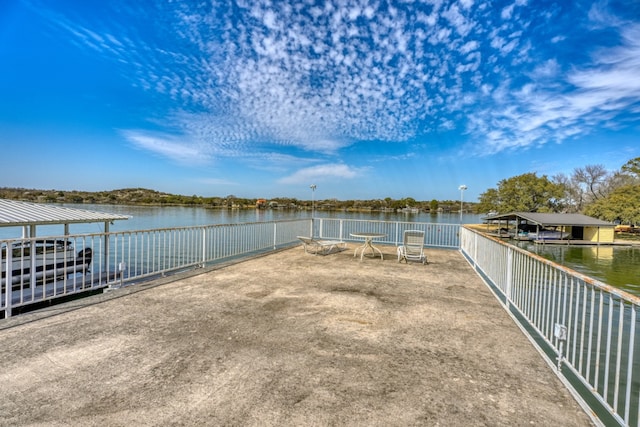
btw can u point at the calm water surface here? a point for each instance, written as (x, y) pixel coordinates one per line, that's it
(616, 266)
(151, 217)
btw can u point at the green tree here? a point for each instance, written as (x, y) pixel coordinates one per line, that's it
(527, 192)
(409, 202)
(632, 167)
(623, 205)
(433, 206)
(397, 204)
(489, 201)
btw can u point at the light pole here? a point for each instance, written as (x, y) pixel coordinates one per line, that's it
(461, 188)
(313, 190)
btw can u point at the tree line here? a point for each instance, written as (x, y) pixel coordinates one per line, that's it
(592, 190)
(143, 196)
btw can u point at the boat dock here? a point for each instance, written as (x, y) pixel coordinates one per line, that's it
(284, 339)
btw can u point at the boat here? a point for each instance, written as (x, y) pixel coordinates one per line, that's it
(54, 259)
(547, 234)
(408, 210)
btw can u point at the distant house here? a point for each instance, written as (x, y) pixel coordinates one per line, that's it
(580, 227)
(261, 203)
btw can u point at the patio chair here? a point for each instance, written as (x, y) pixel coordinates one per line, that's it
(412, 247)
(321, 247)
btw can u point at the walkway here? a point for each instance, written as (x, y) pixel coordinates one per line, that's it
(286, 339)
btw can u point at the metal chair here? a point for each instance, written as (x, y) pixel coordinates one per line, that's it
(412, 247)
(321, 247)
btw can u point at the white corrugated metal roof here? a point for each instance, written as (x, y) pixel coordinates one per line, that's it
(16, 213)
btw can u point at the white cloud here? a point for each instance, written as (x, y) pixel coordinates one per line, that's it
(466, 4)
(462, 25)
(322, 173)
(315, 79)
(166, 146)
(507, 12)
(469, 46)
(599, 92)
(216, 181)
(547, 69)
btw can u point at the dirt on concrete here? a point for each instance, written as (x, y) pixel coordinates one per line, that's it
(284, 339)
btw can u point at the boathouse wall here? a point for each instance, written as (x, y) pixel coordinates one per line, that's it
(599, 234)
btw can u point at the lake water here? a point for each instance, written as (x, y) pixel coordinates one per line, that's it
(151, 217)
(616, 266)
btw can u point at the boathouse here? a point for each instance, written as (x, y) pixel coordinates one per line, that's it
(580, 227)
(28, 216)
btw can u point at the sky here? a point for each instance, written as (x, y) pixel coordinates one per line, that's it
(364, 99)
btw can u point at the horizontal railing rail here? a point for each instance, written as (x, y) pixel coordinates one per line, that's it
(436, 235)
(41, 269)
(587, 327)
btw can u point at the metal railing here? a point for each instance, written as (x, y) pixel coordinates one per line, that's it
(127, 256)
(62, 268)
(436, 235)
(586, 327)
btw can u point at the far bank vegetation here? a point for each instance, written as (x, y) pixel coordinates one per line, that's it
(143, 196)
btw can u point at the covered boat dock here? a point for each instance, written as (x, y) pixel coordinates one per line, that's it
(581, 229)
(53, 257)
(15, 213)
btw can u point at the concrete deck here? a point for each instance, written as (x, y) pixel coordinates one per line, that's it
(285, 339)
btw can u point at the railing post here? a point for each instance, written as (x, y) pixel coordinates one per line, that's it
(106, 252)
(630, 360)
(275, 235)
(204, 246)
(8, 279)
(475, 249)
(509, 276)
(397, 236)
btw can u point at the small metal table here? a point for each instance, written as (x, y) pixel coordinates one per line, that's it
(368, 239)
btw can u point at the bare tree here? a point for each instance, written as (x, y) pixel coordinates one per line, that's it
(618, 179)
(591, 179)
(572, 194)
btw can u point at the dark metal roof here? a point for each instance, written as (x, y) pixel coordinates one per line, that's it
(16, 213)
(552, 219)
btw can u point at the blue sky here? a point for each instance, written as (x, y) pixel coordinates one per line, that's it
(366, 99)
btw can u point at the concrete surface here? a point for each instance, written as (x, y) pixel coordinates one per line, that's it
(285, 339)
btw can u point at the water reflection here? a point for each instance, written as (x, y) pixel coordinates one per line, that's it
(614, 265)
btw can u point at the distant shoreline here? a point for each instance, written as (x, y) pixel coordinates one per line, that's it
(146, 197)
